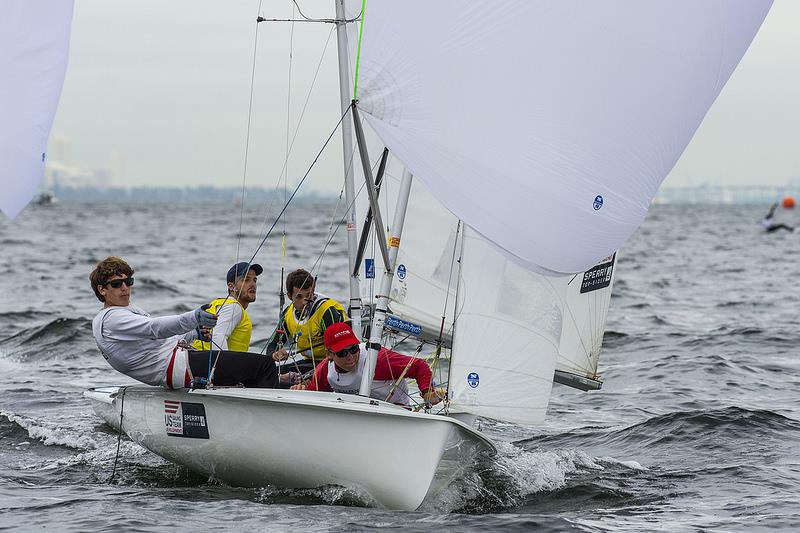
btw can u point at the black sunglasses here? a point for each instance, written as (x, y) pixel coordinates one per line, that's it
(352, 350)
(117, 283)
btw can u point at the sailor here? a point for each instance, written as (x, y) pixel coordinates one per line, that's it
(234, 328)
(153, 350)
(346, 359)
(304, 321)
(769, 223)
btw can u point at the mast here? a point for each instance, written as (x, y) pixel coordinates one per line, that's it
(354, 307)
(382, 299)
(389, 256)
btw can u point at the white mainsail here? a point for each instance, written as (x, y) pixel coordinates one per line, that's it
(34, 45)
(547, 126)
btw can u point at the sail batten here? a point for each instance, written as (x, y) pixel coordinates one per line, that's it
(547, 126)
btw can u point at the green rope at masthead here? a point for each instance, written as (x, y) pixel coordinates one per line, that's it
(358, 50)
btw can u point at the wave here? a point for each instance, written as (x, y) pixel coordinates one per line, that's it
(16, 426)
(717, 429)
(747, 335)
(18, 316)
(11, 242)
(152, 285)
(615, 339)
(56, 333)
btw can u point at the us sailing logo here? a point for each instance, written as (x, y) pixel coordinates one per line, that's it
(173, 417)
(598, 202)
(185, 419)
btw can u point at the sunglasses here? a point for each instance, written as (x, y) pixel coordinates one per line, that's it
(352, 350)
(117, 283)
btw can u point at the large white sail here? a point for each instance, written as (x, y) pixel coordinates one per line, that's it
(547, 125)
(34, 45)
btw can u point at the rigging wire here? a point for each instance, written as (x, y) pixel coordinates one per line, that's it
(342, 221)
(247, 136)
(309, 19)
(272, 202)
(299, 184)
(283, 210)
(285, 172)
(119, 433)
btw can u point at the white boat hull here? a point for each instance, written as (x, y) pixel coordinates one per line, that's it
(294, 439)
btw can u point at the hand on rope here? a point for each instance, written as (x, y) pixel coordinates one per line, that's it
(280, 355)
(292, 378)
(204, 318)
(299, 386)
(433, 396)
(203, 333)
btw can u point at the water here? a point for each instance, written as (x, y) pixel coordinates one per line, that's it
(697, 426)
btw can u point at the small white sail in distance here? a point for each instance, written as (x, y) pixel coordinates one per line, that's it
(547, 125)
(34, 46)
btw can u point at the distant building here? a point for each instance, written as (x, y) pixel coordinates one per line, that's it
(60, 172)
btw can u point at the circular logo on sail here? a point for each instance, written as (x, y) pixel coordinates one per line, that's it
(473, 380)
(401, 271)
(598, 202)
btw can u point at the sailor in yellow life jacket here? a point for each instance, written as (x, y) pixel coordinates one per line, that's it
(303, 322)
(233, 329)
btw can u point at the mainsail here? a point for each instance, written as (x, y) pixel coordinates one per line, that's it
(547, 126)
(34, 45)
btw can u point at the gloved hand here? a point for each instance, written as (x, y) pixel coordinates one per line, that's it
(292, 378)
(204, 333)
(204, 318)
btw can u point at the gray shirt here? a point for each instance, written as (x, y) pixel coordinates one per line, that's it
(137, 344)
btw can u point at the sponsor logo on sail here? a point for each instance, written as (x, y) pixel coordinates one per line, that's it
(401, 271)
(599, 276)
(473, 379)
(598, 202)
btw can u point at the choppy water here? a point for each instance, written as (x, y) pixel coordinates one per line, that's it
(696, 428)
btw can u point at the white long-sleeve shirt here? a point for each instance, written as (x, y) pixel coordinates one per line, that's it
(137, 344)
(228, 317)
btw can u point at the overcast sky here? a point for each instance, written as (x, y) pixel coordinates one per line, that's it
(166, 85)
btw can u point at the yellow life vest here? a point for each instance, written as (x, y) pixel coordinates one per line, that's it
(239, 339)
(310, 340)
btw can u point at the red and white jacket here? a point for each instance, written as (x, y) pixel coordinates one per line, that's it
(390, 366)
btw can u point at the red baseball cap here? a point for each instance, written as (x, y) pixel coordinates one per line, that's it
(339, 336)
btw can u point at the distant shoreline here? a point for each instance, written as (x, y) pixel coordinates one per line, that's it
(702, 195)
(229, 195)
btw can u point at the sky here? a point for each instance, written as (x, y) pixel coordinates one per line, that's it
(164, 86)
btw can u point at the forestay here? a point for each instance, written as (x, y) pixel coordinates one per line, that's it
(547, 125)
(34, 44)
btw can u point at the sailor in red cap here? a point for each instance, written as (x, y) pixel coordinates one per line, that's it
(346, 358)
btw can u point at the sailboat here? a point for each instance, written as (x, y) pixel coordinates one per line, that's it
(544, 128)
